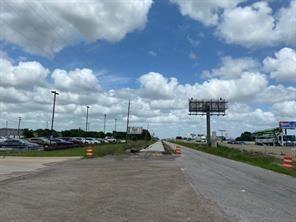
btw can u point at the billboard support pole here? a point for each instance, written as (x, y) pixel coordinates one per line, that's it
(127, 119)
(208, 128)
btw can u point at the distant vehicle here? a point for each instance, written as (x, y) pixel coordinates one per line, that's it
(274, 137)
(111, 139)
(90, 140)
(2, 138)
(59, 141)
(75, 140)
(41, 141)
(19, 144)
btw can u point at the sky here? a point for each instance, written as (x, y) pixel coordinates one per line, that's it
(158, 54)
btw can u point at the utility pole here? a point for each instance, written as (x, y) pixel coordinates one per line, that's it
(127, 120)
(18, 128)
(105, 115)
(208, 114)
(6, 125)
(115, 120)
(86, 122)
(55, 93)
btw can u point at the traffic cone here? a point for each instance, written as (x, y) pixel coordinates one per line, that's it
(89, 152)
(288, 161)
(178, 150)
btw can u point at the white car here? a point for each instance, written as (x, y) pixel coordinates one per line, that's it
(89, 140)
(2, 138)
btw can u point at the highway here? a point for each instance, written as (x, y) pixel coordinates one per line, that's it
(244, 192)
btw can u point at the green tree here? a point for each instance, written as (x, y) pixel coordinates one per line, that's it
(27, 133)
(245, 136)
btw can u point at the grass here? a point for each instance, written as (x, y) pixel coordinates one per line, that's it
(99, 150)
(256, 159)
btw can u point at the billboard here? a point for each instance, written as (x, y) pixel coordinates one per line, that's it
(203, 106)
(287, 124)
(135, 130)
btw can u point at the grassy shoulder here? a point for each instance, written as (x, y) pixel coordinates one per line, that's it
(256, 159)
(99, 150)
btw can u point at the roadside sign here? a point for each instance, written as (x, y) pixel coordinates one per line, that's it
(287, 124)
(135, 130)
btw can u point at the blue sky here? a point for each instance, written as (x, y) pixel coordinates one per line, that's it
(175, 39)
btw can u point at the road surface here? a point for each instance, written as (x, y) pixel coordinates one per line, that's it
(244, 192)
(146, 187)
(156, 147)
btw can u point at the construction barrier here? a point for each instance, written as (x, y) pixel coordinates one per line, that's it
(89, 152)
(288, 161)
(178, 150)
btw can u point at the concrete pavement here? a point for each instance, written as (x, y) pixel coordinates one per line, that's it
(156, 147)
(16, 166)
(244, 192)
(133, 188)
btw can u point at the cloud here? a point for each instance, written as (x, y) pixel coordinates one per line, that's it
(256, 25)
(283, 66)
(286, 109)
(158, 100)
(192, 56)
(244, 88)
(46, 27)
(152, 53)
(206, 12)
(23, 75)
(75, 81)
(232, 68)
(156, 86)
(249, 25)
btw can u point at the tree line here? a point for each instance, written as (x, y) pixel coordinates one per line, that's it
(28, 133)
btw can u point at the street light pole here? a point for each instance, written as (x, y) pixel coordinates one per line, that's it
(105, 123)
(18, 128)
(55, 93)
(127, 120)
(115, 124)
(86, 122)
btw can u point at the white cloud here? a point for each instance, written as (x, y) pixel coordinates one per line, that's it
(244, 88)
(206, 12)
(76, 81)
(192, 56)
(286, 109)
(283, 66)
(23, 75)
(156, 86)
(152, 53)
(250, 25)
(232, 68)
(46, 27)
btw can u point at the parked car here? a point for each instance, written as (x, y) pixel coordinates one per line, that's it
(19, 144)
(41, 141)
(2, 138)
(59, 141)
(111, 139)
(90, 140)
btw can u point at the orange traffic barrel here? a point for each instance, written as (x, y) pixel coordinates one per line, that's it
(89, 152)
(178, 150)
(288, 161)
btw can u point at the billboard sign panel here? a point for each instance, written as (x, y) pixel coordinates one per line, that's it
(202, 106)
(287, 124)
(135, 130)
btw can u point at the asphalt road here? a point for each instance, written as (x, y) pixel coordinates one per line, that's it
(146, 187)
(244, 192)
